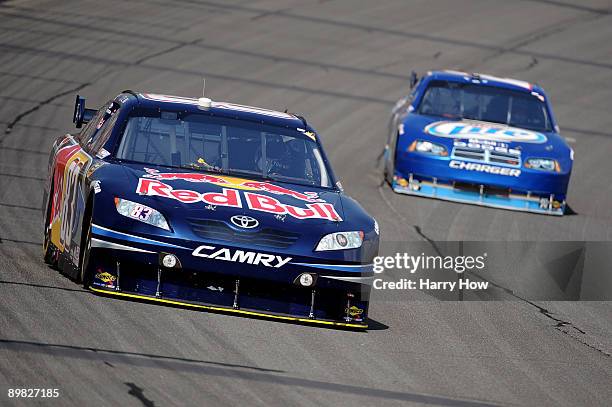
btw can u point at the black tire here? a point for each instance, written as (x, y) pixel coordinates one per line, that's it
(49, 251)
(84, 275)
(389, 177)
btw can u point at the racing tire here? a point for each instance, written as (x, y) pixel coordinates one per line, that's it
(84, 275)
(49, 251)
(386, 176)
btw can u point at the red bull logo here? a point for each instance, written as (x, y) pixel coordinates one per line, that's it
(232, 182)
(232, 198)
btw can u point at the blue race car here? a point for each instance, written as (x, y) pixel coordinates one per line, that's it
(478, 139)
(209, 205)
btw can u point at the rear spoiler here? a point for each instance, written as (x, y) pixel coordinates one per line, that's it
(81, 114)
(414, 78)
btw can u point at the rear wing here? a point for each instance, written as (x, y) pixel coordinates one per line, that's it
(81, 114)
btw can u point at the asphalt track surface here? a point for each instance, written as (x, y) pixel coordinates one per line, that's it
(342, 64)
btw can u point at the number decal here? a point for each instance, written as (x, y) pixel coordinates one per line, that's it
(141, 212)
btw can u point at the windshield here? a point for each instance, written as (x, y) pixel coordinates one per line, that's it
(486, 103)
(220, 145)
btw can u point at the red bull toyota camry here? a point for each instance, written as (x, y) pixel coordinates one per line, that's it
(208, 205)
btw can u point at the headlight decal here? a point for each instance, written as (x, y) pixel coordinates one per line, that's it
(340, 241)
(427, 147)
(543, 164)
(142, 213)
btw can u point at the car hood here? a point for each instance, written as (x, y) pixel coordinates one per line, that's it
(446, 131)
(192, 194)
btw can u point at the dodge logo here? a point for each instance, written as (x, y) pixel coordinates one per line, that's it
(243, 221)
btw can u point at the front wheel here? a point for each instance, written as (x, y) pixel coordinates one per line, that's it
(85, 275)
(388, 167)
(49, 252)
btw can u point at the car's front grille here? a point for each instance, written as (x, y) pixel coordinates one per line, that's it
(488, 156)
(469, 153)
(219, 230)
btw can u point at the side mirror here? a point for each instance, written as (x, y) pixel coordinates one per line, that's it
(81, 114)
(413, 79)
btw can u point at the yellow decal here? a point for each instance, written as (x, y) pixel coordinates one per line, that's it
(354, 311)
(106, 277)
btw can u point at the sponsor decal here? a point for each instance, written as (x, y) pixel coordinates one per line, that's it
(232, 182)
(310, 134)
(484, 131)
(232, 198)
(107, 278)
(102, 153)
(141, 212)
(487, 145)
(94, 167)
(355, 312)
(241, 256)
(489, 169)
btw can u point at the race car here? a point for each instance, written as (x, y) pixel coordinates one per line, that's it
(478, 139)
(209, 205)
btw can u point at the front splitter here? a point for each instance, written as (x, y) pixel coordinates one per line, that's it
(444, 192)
(229, 310)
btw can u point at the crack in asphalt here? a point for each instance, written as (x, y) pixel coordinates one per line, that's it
(530, 38)
(207, 46)
(8, 205)
(400, 33)
(20, 176)
(534, 62)
(559, 323)
(36, 107)
(572, 6)
(6, 239)
(107, 353)
(166, 51)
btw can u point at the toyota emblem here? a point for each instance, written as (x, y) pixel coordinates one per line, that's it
(243, 221)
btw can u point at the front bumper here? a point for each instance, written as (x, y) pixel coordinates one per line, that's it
(448, 191)
(128, 266)
(432, 177)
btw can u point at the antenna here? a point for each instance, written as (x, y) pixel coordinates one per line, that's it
(204, 102)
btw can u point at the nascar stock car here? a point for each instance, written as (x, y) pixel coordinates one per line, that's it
(478, 139)
(209, 205)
